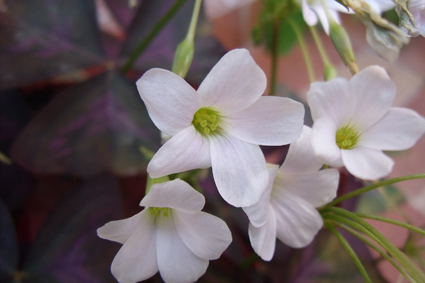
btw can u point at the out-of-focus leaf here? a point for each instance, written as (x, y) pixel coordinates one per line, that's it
(9, 250)
(90, 128)
(67, 249)
(160, 53)
(373, 202)
(407, 21)
(41, 39)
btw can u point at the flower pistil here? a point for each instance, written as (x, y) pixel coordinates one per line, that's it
(347, 137)
(206, 121)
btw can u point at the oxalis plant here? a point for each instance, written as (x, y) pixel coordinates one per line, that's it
(163, 101)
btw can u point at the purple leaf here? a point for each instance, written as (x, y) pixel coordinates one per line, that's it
(46, 38)
(90, 128)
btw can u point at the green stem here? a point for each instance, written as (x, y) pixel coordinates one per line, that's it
(192, 28)
(372, 187)
(350, 251)
(153, 33)
(414, 271)
(392, 221)
(304, 50)
(319, 46)
(275, 55)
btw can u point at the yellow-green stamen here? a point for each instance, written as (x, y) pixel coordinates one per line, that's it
(347, 137)
(160, 211)
(206, 121)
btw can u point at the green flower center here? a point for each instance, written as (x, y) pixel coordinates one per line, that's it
(347, 137)
(206, 121)
(160, 211)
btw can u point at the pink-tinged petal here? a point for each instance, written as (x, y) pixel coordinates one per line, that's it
(332, 100)
(218, 8)
(239, 170)
(119, 231)
(317, 188)
(170, 100)
(301, 157)
(297, 221)
(263, 239)
(234, 83)
(399, 129)
(185, 151)
(136, 260)
(323, 140)
(207, 236)
(175, 194)
(374, 92)
(269, 121)
(259, 212)
(366, 163)
(308, 14)
(175, 261)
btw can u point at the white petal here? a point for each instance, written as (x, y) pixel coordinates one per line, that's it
(301, 157)
(399, 129)
(175, 194)
(185, 151)
(234, 83)
(320, 11)
(217, 8)
(367, 164)
(297, 221)
(317, 188)
(331, 100)
(308, 14)
(324, 143)
(374, 92)
(259, 212)
(175, 261)
(263, 239)
(269, 121)
(120, 230)
(136, 260)
(207, 236)
(239, 170)
(170, 100)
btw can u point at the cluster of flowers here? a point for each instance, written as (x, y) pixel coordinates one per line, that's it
(221, 125)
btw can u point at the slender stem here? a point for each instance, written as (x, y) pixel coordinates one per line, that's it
(372, 187)
(406, 262)
(192, 28)
(351, 252)
(304, 50)
(275, 55)
(319, 46)
(153, 33)
(392, 221)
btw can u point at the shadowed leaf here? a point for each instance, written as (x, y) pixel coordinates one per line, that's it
(90, 128)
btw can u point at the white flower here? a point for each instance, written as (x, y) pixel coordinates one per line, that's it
(353, 123)
(218, 8)
(286, 210)
(417, 9)
(220, 125)
(171, 235)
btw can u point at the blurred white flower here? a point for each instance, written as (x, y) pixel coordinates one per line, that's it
(353, 123)
(286, 210)
(417, 9)
(218, 8)
(220, 125)
(171, 235)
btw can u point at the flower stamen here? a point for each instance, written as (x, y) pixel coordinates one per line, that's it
(160, 211)
(206, 121)
(347, 137)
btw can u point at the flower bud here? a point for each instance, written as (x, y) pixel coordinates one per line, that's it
(183, 57)
(342, 44)
(330, 72)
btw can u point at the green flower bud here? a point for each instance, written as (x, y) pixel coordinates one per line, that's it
(342, 44)
(183, 57)
(330, 72)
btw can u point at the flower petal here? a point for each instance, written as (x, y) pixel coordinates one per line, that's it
(308, 14)
(175, 194)
(332, 100)
(136, 260)
(301, 157)
(234, 83)
(120, 230)
(185, 151)
(175, 261)
(263, 239)
(399, 129)
(317, 188)
(324, 144)
(366, 163)
(259, 212)
(297, 221)
(170, 100)
(374, 92)
(239, 170)
(207, 236)
(269, 121)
